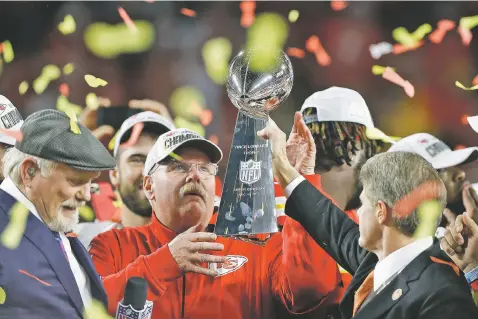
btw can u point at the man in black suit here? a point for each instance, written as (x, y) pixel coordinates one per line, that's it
(395, 274)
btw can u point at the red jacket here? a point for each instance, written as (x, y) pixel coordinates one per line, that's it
(291, 271)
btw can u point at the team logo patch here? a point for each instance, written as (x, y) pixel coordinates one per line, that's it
(233, 263)
(250, 172)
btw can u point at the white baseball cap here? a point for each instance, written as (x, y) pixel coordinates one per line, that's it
(170, 141)
(434, 150)
(10, 119)
(153, 122)
(337, 104)
(473, 121)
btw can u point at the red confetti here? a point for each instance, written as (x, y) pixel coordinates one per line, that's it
(452, 265)
(247, 8)
(410, 202)
(400, 48)
(466, 35)
(475, 81)
(64, 89)
(296, 52)
(338, 5)
(17, 135)
(393, 77)
(443, 26)
(188, 12)
(206, 117)
(314, 46)
(459, 147)
(214, 139)
(464, 119)
(1, 47)
(136, 132)
(127, 20)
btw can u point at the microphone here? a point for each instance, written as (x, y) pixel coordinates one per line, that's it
(134, 304)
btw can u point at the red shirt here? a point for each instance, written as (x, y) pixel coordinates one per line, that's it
(290, 270)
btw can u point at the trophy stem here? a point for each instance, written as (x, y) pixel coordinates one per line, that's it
(248, 202)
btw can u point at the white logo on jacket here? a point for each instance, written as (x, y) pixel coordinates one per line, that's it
(233, 263)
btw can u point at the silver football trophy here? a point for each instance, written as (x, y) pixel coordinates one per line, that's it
(248, 202)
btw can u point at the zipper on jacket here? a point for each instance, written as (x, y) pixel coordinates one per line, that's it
(183, 299)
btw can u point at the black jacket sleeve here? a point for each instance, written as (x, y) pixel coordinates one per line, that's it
(330, 227)
(449, 302)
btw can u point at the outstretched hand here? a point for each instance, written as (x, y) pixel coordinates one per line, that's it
(300, 147)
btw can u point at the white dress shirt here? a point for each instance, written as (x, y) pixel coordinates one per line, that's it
(81, 278)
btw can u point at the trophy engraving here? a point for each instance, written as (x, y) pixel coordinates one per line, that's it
(248, 202)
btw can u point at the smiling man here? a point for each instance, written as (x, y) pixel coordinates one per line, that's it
(49, 275)
(192, 273)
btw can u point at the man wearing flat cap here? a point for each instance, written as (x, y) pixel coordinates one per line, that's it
(45, 273)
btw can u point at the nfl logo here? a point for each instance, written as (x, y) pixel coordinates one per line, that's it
(250, 172)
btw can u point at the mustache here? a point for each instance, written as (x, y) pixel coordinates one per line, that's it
(73, 203)
(192, 188)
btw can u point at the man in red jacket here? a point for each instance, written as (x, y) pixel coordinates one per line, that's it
(194, 274)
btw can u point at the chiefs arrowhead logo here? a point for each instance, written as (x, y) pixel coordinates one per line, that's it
(233, 263)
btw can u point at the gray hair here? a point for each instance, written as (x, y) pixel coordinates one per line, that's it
(392, 176)
(13, 159)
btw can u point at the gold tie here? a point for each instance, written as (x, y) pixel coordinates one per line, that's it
(363, 291)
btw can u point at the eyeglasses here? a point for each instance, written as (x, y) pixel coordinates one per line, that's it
(182, 168)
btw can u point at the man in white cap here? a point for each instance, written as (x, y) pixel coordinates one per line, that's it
(130, 151)
(446, 161)
(10, 119)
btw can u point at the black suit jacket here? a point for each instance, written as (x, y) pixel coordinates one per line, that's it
(428, 288)
(36, 277)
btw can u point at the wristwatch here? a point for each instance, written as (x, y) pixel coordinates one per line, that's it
(472, 278)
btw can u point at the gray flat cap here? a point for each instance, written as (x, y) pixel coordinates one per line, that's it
(47, 135)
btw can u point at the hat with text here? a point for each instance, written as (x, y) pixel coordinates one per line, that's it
(10, 119)
(48, 134)
(337, 104)
(434, 150)
(170, 141)
(153, 122)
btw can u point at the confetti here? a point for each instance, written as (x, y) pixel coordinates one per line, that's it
(293, 16)
(188, 12)
(378, 70)
(464, 28)
(247, 17)
(135, 133)
(3, 296)
(460, 147)
(380, 49)
(314, 46)
(400, 48)
(402, 36)
(17, 135)
(426, 192)
(8, 53)
(68, 25)
(92, 101)
(73, 122)
(461, 86)
(338, 5)
(111, 144)
(181, 122)
(96, 310)
(296, 52)
(49, 73)
(13, 233)
(64, 89)
(206, 117)
(23, 87)
(266, 37)
(443, 26)
(393, 77)
(473, 121)
(464, 119)
(68, 68)
(62, 104)
(216, 54)
(466, 35)
(127, 20)
(214, 139)
(428, 214)
(376, 134)
(94, 82)
(86, 213)
(475, 80)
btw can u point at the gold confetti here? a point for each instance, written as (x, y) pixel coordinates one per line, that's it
(62, 104)
(180, 122)
(216, 53)
(8, 53)
(96, 310)
(461, 86)
(13, 233)
(176, 156)
(3, 296)
(428, 214)
(73, 121)
(293, 16)
(402, 36)
(86, 213)
(94, 82)
(378, 69)
(23, 87)
(376, 134)
(111, 144)
(49, 73)
(68, 25)
(68, 68)
(92, 101)
(469, 22)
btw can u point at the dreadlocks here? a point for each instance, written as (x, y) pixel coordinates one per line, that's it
(332, 140)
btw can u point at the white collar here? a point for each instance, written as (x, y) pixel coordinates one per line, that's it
(9, 187)
(399, 259)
